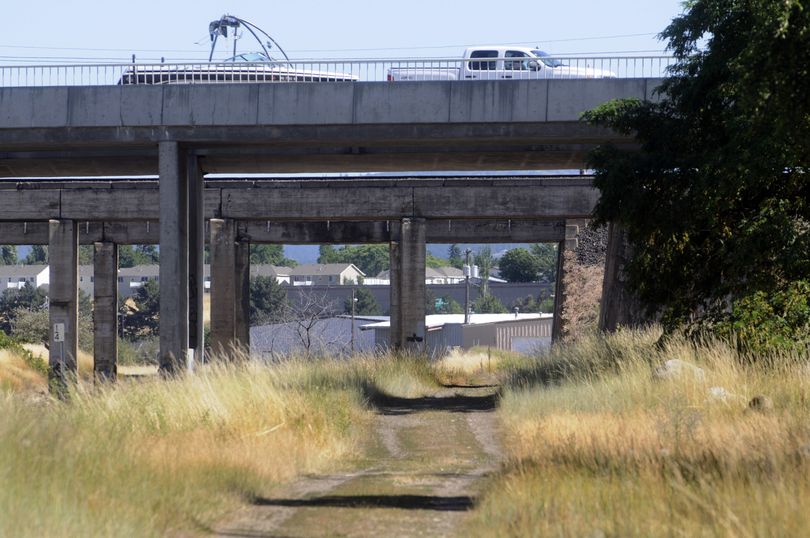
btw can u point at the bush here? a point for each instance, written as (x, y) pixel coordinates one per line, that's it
(779, 322)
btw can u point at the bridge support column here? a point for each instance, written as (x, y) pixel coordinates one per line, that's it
(408, 262)
(174, 259)
(568, 245)
(196, 261)
(242, 296)
(230, 292)
(394, 286)
(63, 301)
(618, 305)
(105, 311)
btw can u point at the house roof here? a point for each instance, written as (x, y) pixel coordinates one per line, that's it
(21, 270)
(443, 272)
(269, 270)
(140, 270)
(318, 269)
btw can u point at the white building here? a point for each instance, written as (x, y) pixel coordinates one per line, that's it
(17, 276)
(329, 274)
(511, 332)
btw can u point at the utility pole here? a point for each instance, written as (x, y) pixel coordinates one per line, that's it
(467, 271)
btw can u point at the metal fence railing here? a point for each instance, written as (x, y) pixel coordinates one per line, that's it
(353, 70)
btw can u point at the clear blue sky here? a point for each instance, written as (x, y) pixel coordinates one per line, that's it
(310, 28)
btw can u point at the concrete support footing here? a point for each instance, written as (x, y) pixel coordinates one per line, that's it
(63, 304)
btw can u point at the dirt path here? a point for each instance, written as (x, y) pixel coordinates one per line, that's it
(420, 476)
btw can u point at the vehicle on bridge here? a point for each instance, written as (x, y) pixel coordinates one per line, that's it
(247, 67)
(497, 63)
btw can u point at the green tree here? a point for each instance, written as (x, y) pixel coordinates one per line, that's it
(268, 300)
(86, 254)
(716, 202)
(519, 265)
(271, 255)
(365, 304)
(435, 261)
(38, 255)
(371, 259)
(8, 255)
(484, 260)
(142, 312)
(15, 300)
(488, 304)
(132, 255)
(546, 254)
(455, 257)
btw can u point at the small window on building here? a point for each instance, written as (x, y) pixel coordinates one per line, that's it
(120, 279)
(144, 279)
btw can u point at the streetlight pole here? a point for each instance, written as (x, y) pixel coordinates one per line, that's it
(467, 271)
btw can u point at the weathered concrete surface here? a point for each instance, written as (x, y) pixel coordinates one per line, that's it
(223, 286)
(412, 288)
(308, 127)
(539, 198)
(63, 304)
(619, 307)
(295, 232)
(105, 311)
(174, 304)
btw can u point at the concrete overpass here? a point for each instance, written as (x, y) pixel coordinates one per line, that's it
(181, 133)
(336, 127)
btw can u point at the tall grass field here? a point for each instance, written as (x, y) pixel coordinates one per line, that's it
(157, 457)
(600, 444)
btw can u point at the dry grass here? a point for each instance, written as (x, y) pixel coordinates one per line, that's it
(597, 446)
(171, 456)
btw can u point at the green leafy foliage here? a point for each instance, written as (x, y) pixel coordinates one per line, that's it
(38, 255)
(717, 203)
(8, 255)
(268, 300)
(441, 305)
(142, 312)
(271, 255)
(15, 300)
(488, 304)
(519, 265)
(365, 304)
(13, 345)
(133, 255)
(371, 259)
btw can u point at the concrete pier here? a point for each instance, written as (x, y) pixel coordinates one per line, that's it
(394, 289)
(619, 307)
(174, 261)
(105, 311)
(63, 309)
(242, 294)
(412, 284)
(223, 285)
(196, 259)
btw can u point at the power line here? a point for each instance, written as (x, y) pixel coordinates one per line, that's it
(423, 47)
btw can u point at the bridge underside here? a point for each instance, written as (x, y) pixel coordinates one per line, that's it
(393, 148)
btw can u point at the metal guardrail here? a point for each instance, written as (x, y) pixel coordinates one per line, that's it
(354, 70)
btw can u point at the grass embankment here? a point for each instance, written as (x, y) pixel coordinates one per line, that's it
(598, 446)
(162, 456)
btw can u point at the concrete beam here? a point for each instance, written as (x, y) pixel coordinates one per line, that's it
(437, 231)
(174, 272)
(63, 305)
(90, 232)
(550, 199)
(105, 311)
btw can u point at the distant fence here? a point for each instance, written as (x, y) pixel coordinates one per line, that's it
(351, 70)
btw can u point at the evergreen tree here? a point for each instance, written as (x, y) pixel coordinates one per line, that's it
(8, 255)
(455, 257)
(38, 255)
